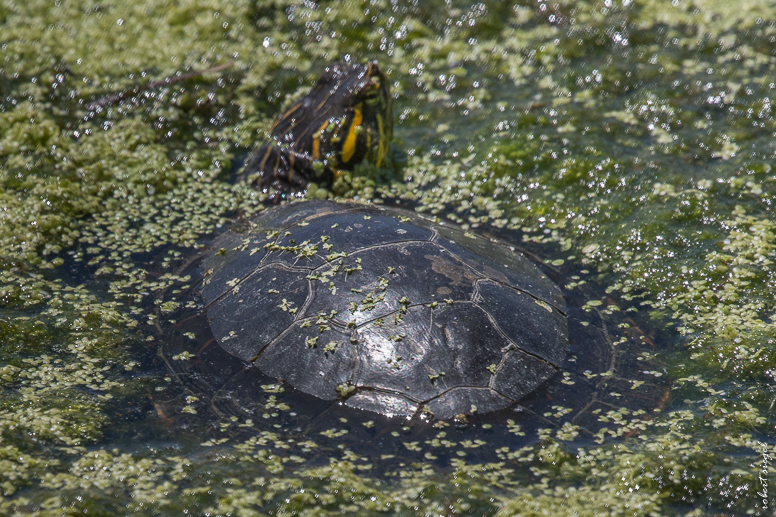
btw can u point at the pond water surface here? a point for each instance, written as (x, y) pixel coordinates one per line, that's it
(626, 147)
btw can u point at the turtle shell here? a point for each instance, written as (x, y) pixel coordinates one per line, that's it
(385, 310)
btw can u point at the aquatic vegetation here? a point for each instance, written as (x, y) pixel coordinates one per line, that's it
(633, 141)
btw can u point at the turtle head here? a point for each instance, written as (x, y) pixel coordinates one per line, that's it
(345, 120)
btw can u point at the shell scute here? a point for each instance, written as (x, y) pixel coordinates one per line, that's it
(467, 400)
(257, 310)
(501, 264)
(520, 373)
(533, 329)
(303, 358)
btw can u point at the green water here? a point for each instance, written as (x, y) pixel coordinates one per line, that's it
(632, 140)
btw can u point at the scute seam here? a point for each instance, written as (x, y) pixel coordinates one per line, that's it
(504, 334)
(254, 271)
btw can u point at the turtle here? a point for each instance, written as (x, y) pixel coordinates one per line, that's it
(379, 308)
(384, 310)
(375, 306)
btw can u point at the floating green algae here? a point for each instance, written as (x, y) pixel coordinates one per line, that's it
(634, 137)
